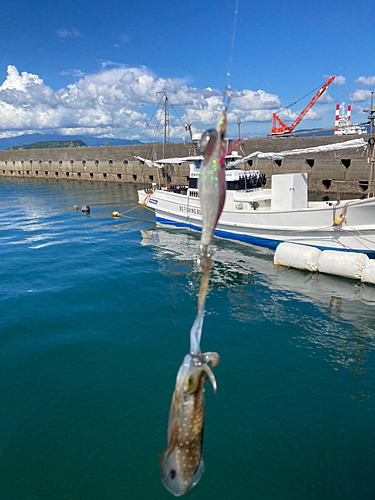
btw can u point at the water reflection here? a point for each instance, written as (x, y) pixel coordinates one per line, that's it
(328, 312)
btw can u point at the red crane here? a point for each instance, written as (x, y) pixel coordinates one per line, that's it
(283, 128)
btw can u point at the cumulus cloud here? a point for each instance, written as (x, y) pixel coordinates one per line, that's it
(118, 102)
(360, 95)
(339, 80)
(366, 81)
(325, 99)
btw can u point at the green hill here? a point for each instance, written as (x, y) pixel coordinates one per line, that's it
(50, 144)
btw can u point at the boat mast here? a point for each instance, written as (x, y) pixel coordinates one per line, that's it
(371, 176)
(167, 133)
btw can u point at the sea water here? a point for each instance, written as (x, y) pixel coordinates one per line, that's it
(95, 315)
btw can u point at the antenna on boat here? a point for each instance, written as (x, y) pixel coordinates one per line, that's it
(167, 132)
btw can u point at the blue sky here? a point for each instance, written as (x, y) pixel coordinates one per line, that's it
(80, 67)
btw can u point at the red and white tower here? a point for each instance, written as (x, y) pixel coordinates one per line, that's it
(349, 113)
(337, 116)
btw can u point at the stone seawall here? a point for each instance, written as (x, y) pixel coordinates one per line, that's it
(329, 172)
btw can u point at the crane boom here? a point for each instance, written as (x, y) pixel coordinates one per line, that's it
(283, 128)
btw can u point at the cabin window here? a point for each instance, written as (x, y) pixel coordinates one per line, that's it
(310, 163)
(198, 164)
(346, 163)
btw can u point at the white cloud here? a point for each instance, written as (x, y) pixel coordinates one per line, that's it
(118, 102)
(15, 81)
(325, 99)
(366, 81)
(250, 100)
(73, 72)
(68, 33)
(312, 115)
(360, 95)
(339, 80)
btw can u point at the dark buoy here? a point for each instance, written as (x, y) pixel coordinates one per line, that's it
(85, 209)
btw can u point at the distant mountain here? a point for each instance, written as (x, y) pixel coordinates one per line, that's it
(25, 139)
(50, 144)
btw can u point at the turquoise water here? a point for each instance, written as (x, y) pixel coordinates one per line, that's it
(94, 323)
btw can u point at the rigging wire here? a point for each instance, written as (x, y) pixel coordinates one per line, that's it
(149, 121)
(300, 99)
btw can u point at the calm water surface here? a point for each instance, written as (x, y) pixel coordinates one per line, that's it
(95, 315)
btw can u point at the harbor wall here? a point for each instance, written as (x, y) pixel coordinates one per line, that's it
(328, 172)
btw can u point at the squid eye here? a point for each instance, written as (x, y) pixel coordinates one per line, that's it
(206, 137)
(172, 474)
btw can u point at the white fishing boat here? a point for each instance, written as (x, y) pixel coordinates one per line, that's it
(268, 216)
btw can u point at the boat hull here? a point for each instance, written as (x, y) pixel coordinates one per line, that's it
(312, 226)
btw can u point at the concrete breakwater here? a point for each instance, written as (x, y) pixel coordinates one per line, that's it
(342, 171)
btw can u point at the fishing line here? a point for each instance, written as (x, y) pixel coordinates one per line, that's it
(233, 39)
(227, 94)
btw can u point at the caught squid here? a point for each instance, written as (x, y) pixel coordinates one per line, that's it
(212, 188)
(182, 462)
(211, 183)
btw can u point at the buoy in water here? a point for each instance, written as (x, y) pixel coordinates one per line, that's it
(85, 209)
(76, 207)
(115, 214)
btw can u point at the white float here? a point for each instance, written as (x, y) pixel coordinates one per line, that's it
(352, 265)
(368, 273)
(346, 264)
(297, 256)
